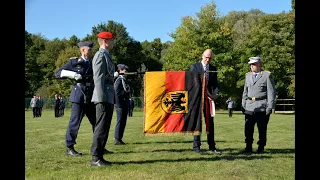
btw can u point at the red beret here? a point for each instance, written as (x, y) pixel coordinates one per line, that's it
(105, 35)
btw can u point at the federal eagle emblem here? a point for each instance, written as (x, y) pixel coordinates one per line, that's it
(175, 102)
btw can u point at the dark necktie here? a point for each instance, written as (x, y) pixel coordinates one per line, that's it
(207, 74)
(254, 76)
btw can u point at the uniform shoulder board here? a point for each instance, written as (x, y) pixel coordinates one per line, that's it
(248, 73)
(73, 58)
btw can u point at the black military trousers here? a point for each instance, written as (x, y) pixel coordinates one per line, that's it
(210, 134)
(37, 111)
(230, 112)
(121, 123)
(104, 113)
(130, 112)
(56, 111)
(34, 112)
(262, 122)
(77, 113)
(40, 111)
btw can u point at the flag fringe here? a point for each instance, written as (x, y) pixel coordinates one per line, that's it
(173, 133)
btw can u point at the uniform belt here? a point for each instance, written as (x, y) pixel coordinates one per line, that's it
(255, 98)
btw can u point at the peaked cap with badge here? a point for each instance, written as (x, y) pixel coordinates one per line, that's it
(254, 60)
(86, 43)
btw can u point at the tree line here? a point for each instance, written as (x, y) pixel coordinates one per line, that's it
(233, 38)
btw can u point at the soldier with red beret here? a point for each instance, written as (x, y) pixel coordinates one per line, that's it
(103, 96)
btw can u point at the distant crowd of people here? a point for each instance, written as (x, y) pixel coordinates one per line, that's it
(36, 104)
(59, 106)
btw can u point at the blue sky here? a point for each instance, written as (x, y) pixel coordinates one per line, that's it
(144, 19)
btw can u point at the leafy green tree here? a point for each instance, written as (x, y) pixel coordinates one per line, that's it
(241, 23)
(126, 50)
(233, 38)
(205, 31)
(194, 35)
(59, 86)
(273, 40)
(293, 4)
(73, 41)
(184, 50)
(48, 58)
(34, 44)
(152, 52)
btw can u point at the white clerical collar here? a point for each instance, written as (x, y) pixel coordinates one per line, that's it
(204, 64)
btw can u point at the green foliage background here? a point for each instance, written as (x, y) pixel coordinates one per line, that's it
(233, 38)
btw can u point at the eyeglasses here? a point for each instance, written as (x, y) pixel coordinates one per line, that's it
(208, 57)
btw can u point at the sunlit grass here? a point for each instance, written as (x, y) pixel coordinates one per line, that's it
(159, 157)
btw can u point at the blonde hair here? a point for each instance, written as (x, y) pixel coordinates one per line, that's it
(100, 41)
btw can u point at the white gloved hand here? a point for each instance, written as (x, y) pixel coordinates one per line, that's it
(77, 76)
(68, 74)
(116, 74)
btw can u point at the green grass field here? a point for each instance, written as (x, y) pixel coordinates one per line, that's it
(159, 157)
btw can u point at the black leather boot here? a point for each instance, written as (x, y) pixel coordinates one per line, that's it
(260, 149)
(248, 149)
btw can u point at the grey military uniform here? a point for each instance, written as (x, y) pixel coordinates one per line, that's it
(103, 97)
(258, 97)
(230, 103)
(33, 106)
(103, 71)
(259, 93)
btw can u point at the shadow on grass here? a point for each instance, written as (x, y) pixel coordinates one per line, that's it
(203, 158)
(227, 154)
(226, 151)
(175, 142)
(280, 151)
(233, 151)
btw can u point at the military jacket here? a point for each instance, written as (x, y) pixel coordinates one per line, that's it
(259, 92)
(82, 89)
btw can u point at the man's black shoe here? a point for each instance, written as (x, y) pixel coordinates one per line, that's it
(197, 150)
(73, 152)
(247, 150)
(260, 150)
(100, 162)
(217, 151)
(119, 142)
(107, 152)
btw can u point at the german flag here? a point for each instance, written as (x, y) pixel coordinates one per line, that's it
(172, 102)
